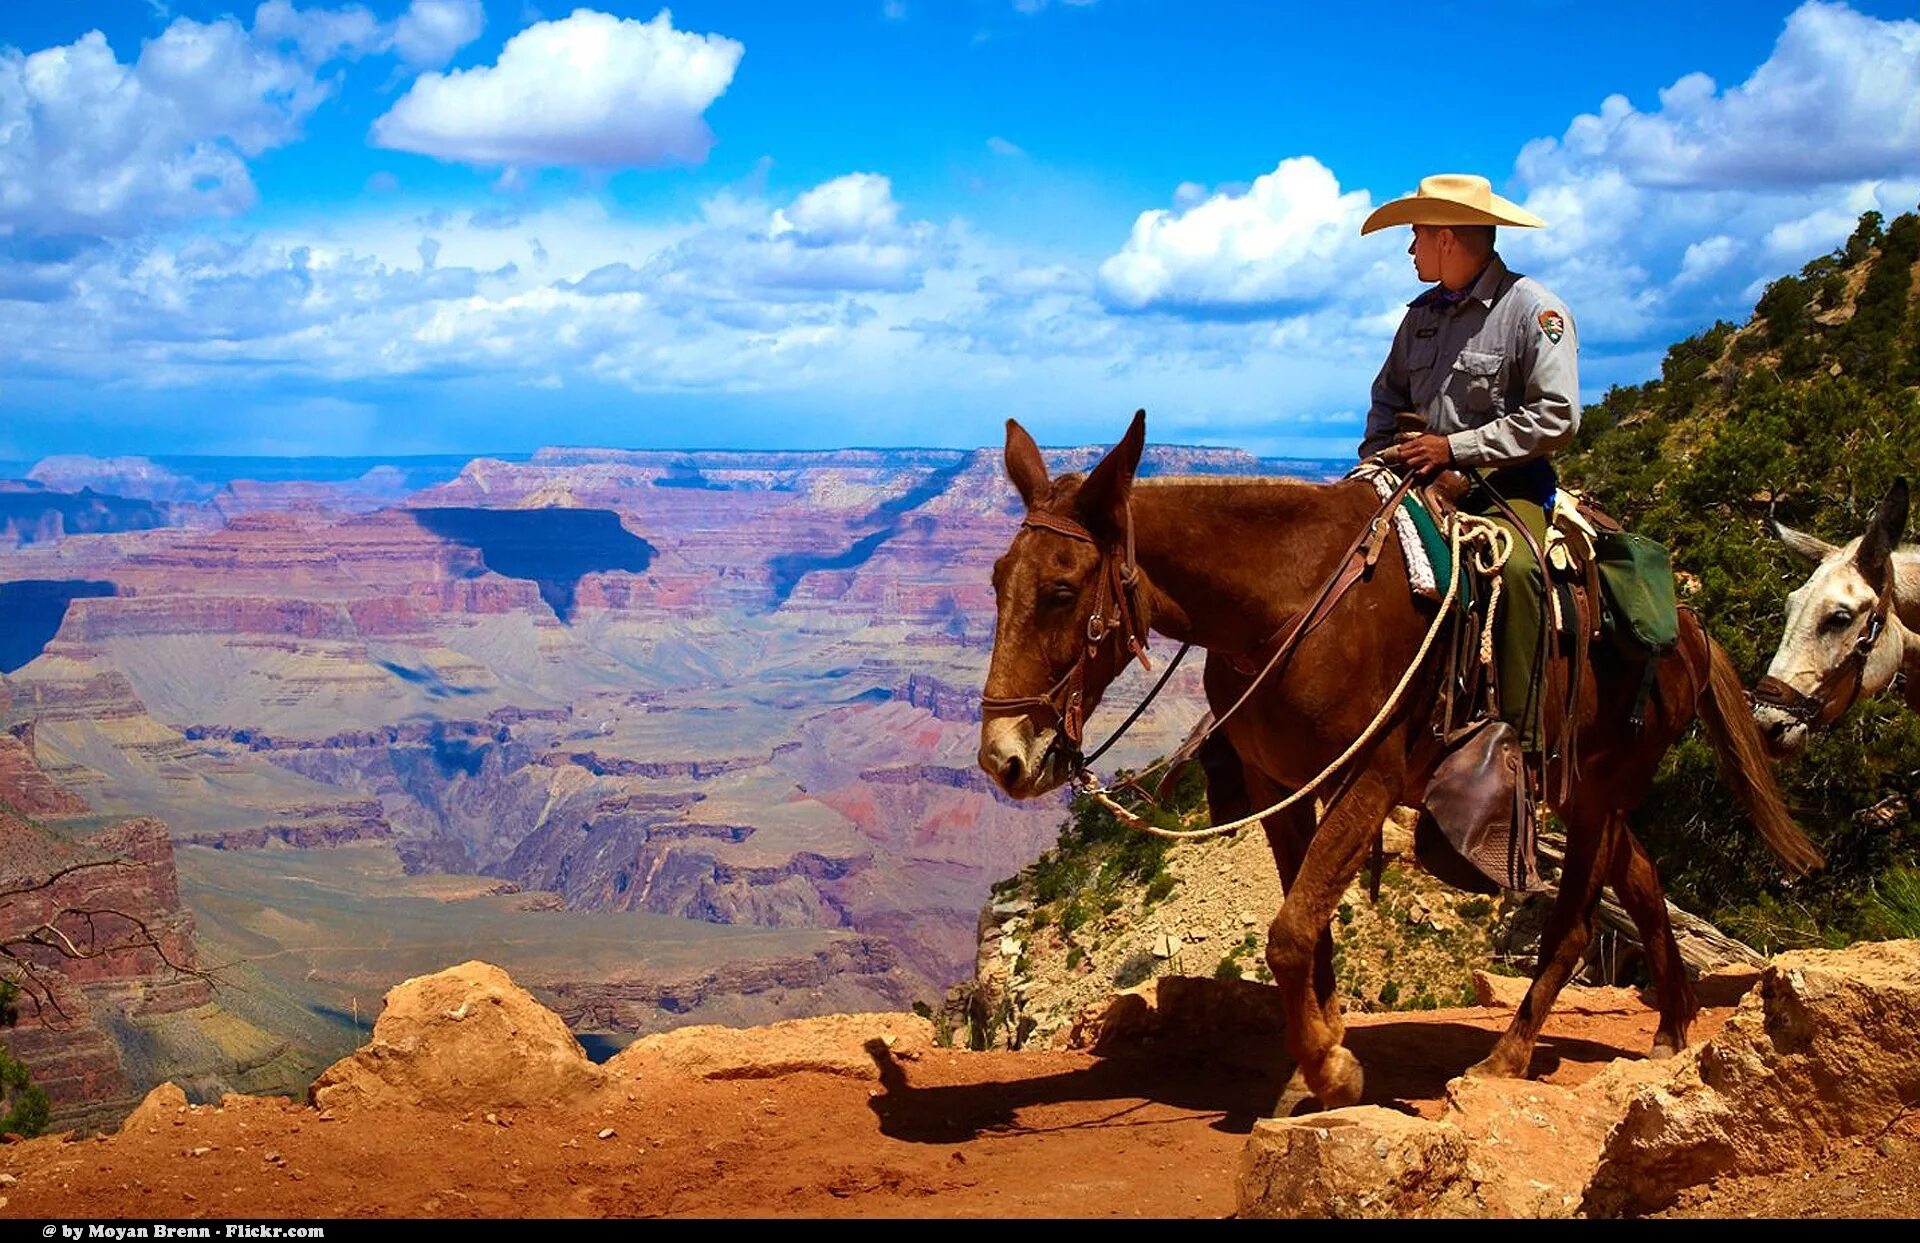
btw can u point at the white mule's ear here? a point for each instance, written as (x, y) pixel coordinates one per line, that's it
(1811, 547)
(1883, 534)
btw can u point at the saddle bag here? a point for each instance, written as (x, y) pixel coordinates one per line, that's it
(1476, 830)
(1636, 579)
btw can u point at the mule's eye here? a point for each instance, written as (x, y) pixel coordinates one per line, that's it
(1060, 593)
(1837, 620)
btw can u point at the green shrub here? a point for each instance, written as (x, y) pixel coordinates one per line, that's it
(1138, 968)
(1227, 969)
(1161, 887)
(24, 1109)
(1896, 904)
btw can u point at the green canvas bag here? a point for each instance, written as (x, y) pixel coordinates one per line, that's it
(1636, 577)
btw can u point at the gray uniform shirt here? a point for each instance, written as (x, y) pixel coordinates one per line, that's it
(1497, 373)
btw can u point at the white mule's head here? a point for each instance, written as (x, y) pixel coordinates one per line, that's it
(1831, 654)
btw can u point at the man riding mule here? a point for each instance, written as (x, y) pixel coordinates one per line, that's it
(1228, 565)
(1850, 628)
(1484, 374)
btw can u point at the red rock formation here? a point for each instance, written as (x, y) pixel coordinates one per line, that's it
(26, 789)
(66, 1042)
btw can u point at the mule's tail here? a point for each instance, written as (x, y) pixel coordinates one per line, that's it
(1725, 712)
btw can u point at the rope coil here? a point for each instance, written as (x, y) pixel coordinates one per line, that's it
(1492, 544)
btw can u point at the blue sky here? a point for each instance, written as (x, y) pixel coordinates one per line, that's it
(456, 226)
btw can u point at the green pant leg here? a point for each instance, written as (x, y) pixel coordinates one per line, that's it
(1517, 628)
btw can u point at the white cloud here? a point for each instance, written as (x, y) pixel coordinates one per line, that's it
(91, 145)
(429, 33)
(1290, 238)
(319, 34)
(88, 144)
(845, 209)
(1706, 257)
(1662, 221)
(1000, 146)
(588, 90)
(1838, 100)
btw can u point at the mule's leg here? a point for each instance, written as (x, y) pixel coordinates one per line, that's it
(1638, 884)
(1562, 945)
(1288, 834)
(1333, 858)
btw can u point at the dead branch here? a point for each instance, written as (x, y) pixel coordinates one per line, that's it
(37, 979)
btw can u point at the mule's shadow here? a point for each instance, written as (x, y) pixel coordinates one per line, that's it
(1405, 1062)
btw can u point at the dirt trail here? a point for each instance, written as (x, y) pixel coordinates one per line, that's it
(946, 1134)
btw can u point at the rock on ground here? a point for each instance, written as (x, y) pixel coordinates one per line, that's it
(467, 1038)
(1366, 1161)
(853, 1045)
(1825, 1047)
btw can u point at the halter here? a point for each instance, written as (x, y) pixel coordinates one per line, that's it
(1115, 581)
(1816, 708)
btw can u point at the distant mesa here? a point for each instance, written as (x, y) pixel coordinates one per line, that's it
(551, 548)
(37, 515)
(31, 610)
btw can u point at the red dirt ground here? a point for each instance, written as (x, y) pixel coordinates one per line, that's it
(948, 1134)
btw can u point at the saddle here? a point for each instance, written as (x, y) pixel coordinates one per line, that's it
(1485, 793)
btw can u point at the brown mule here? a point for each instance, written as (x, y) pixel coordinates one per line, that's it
(1223, 564)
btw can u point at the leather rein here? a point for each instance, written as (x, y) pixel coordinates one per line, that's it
(1118, 580)
(1816, 708)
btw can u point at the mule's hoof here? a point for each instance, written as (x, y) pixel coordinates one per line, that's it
(1665, 1047)
(1496, 1066)
(1342, 1081)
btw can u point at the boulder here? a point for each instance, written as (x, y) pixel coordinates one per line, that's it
(1825, 1046)
(851, 1045)
(1185, 1009)
(1363, 1161)
(1505, 992)
(158, 1108)
(1533, 1146)
(464, 1039)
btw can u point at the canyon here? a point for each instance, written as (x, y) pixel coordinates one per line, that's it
(674, 737)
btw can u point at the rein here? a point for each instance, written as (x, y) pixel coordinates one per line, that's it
(1464, 529)
(1121, 577)
(1813, 708)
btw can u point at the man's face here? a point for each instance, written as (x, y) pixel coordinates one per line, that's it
(1425, 250)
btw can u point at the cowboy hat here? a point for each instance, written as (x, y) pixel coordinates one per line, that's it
(1451, 198)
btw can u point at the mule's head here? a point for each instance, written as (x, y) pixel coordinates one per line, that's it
(1059, 641)
(1830, 655)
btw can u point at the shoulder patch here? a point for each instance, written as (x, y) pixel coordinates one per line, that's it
(1553, 324)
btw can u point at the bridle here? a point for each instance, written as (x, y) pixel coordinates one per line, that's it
(1116, 583)
(1118, 580)
(1816, 708)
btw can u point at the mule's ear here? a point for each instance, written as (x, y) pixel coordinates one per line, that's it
(1103, 497)
(1811, 547)
(1889, 523)
(1024, 464)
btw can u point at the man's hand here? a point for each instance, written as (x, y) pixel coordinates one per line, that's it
(1423, 455)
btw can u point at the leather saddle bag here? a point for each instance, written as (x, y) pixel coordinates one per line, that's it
(1476, 830)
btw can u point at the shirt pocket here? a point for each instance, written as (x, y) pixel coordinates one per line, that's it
(1479, 382)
